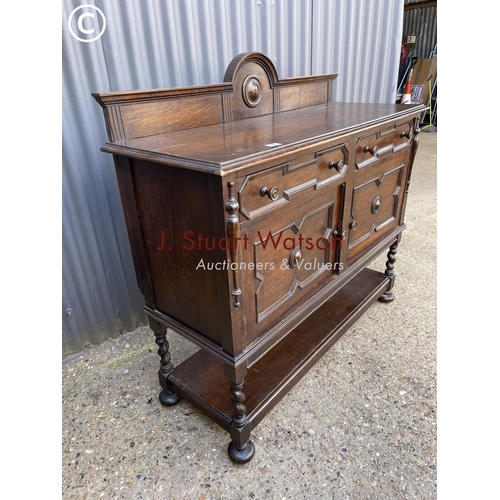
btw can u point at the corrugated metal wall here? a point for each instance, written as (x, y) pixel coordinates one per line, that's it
(360, 40)
(422, 22)
(168, 43)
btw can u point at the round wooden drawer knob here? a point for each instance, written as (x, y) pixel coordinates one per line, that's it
(273, 193)
(373, 150)
(338, 165)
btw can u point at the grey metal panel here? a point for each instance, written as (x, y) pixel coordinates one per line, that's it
(99, 286)
(360, 40)
(168, 43)
(155, 44)
(423, 23)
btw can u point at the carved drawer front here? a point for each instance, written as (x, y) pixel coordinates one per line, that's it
(376, 204)
(376, 146)
(280, 185)
(293, 253)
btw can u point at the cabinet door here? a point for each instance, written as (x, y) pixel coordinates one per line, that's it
(376, 202)
(293, 252)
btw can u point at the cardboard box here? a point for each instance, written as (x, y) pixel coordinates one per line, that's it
(422, 70)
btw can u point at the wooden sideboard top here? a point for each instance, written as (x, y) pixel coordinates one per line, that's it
(224, 146)
(251, 117)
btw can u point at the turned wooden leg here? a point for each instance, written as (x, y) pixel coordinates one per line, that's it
(388, 296)
(167, 396)
(241, 449)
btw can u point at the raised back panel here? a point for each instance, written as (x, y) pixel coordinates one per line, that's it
(252, 88)
(152, 118)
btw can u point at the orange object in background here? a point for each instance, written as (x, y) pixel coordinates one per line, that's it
(406, 99)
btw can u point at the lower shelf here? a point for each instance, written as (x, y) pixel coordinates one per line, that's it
(201, 379)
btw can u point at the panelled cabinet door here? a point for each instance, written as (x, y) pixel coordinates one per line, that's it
(382, 160)
(294, 252)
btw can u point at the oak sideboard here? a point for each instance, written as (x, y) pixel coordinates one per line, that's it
(253, 209)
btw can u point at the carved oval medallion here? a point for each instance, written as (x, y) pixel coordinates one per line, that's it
(296, 255)
(252, 91)
(376, 204)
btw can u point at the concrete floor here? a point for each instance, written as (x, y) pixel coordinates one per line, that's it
(360, 425)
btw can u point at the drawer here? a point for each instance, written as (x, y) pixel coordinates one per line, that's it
(378, 145)
(293, 252)
(376, 203)
(280, 185)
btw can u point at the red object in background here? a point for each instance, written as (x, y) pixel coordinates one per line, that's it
(403, 55)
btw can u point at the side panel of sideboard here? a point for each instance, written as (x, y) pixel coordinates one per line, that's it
(180, 223)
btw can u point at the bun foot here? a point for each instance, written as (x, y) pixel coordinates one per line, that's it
(241, 456)
(386, 297)
(169, 399)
